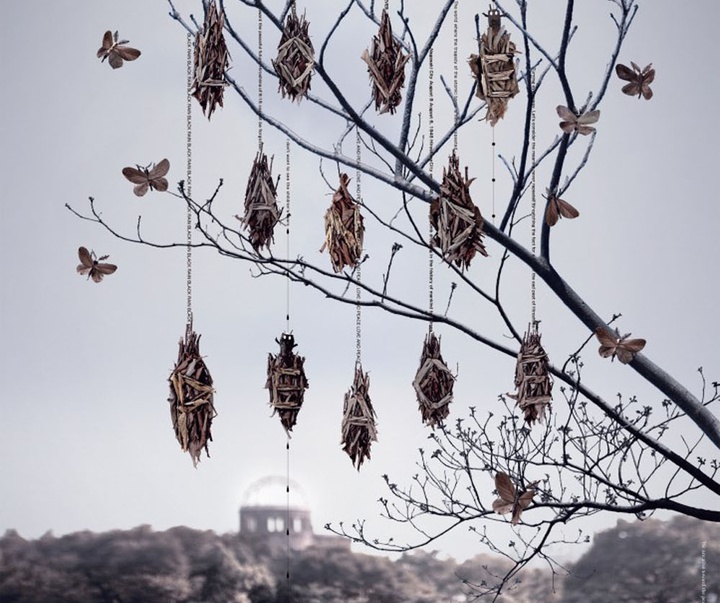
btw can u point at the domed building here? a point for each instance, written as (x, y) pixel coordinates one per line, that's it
(267, 519)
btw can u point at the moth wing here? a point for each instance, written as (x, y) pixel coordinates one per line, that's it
(623, 355)
(159, 170)
(107, 42)
(106, 268)
(625, 73)
(566, 210)
(584, 130)
(523, 503)
(141, 189)
(608, 343)
(551, 213)
(629, 347)
(134, 175)
(568, 126)
(502, 507)
(95, 275)
(636, 67)
(590, 117)
(115, 59)
(506, 491)
(159, 184)
(85, 257)
(565, 114)
(631, 89)
(649, 76)
(127, 53)
(646, 91)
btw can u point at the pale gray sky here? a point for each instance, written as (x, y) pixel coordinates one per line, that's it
(85, 429)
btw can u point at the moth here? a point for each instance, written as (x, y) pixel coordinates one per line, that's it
(90, 265)
(145, 178)
(510, 501)
(611, 345)
(557, 208)
(577, 123)
(640, 79)
(113, 50)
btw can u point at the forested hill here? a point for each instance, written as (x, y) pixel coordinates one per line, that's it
(640, 561)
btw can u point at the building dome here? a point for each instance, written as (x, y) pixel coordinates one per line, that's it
(272, 492)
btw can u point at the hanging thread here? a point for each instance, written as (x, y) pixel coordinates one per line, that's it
(260, 78)
(431, 167)
(358, 270)
(188, 179)
(533, 217)
(287, 229)
(455, 73)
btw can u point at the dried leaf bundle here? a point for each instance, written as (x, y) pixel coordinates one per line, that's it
(295, 59)
(261, 209)
(386, 66)
(344, 229)
(433, 383)
(532, 378)
(191, 398)
(211, 61)
(494, 68)
(286, 381)
(456, 219)
(358, 424)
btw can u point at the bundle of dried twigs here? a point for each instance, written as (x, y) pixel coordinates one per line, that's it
(344, 229)
(295, 59)
(358, 424)
(494, 68)
(456, 219)
(211, 61)
(532, 378)
(433, 383)
(286, 381)
(191, 398)
(261, 209)
(386, 66)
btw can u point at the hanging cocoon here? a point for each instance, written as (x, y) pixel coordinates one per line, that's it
(191, 398)
(494, 68)
(295, 59)
(211, 61)
(286, 381)
(386, 67)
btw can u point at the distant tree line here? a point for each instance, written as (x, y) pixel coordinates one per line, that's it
(649, 561)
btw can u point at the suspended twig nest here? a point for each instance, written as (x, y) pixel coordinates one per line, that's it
(532, 378)
(295, 59)
(358, 424)
(211, 61)
(191, 398)
(386, 66)
(494, 68)
(456, 219)
(433, 383)
(286, 381)
(261, 209)
(344, 229)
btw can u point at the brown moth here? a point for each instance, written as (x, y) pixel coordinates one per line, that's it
(640, 79)
(611, 345)
(577, 123)
(90, 265)
(114, 51)
(557, 208)
(148, 178)
(510, 501)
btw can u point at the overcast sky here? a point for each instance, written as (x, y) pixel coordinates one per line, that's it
(85, 432)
